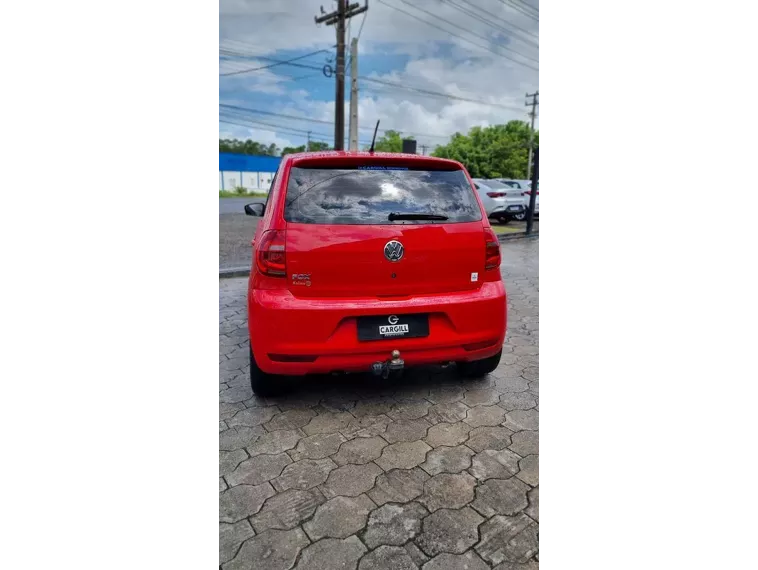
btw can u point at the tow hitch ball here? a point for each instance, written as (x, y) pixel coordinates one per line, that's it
(394, 363)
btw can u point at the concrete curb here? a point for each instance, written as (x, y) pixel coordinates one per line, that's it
(234, 272)
(245, 271)
(517, 235)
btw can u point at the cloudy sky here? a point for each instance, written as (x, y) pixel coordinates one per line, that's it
(481, 53)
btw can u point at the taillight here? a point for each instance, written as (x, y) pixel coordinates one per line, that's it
(491, 250)
(270, 254)
(496, 194)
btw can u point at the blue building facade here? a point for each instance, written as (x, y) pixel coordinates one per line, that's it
(252, 172)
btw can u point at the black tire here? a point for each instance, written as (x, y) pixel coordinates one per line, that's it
(262, 383)
(479, 368)
(522, 216)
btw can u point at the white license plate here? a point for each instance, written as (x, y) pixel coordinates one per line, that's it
(390, 330)
(512, 208)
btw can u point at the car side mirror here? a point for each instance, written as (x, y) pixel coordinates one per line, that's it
(255, 209)
(476, 185)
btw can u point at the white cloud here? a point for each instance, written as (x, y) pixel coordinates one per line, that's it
(463, 70)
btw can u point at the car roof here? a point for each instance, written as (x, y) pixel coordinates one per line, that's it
(350, 156)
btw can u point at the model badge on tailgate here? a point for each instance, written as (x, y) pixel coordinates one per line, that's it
(301, 279)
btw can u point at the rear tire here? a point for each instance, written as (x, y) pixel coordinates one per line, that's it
(522, 216)
(479, 368)
(262, 383)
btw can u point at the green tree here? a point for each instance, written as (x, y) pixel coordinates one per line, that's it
(496, 151)
(315, 147)
(247, 147)
(391, 141)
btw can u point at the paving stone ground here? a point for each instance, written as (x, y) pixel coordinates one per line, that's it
(429, 471)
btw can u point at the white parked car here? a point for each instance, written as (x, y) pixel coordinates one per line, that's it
(501, 202)
(526, 187)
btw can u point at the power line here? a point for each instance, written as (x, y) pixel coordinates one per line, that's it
(404, 87)
(309, 120)
(484, 47)
(527, 6)
(530, 36)
(273, 64)
(363, 21)
(520, 10)
(494, 26)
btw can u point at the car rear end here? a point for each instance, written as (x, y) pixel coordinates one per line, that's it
(507, 202)
(338, 284)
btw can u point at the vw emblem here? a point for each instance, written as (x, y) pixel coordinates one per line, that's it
(394, 250)
(393, 319)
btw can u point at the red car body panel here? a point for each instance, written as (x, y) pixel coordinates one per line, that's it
(305, 321)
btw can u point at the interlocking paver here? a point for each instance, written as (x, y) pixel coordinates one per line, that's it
(360, 450)
(398, 486)
(481, 397)
(495, 438)
(386, 557)
(485, 416)
(478, 438)
(368, 426)
(508, 539)
(448, 491)
(228, 460)
(339, 517)
(242, 501)
(403, 455)
(351, 480)
(446, 530)
(372, 407)
(304, 474)
(500, 497)
(317, 446)
(330, 553)
(447, 434)
(251, 417)
(525, 443)
(533, 510)
(468, 561)
(273, 549)
(447, 460)
(288, 509)
(406, 430)
(409, 410)
(529, 470)
(393, 524)
(328, 422)
(449, 412)
(239, 437)
(522, 419)
(231, 536)
(445, 394)
(275, 442)
(511, 401)
(290, 419)
(491, 464)
(257, 470)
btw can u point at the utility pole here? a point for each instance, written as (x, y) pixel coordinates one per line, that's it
(423, 149)
(535, 190)
(354, 94)
(308, 143)
(532, 114)
(337, 19)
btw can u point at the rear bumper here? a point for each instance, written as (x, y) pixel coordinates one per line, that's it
(506, 210)
(323, 332)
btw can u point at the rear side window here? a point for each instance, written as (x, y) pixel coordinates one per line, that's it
(368, 196)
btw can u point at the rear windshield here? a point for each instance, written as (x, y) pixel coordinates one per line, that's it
(368, 196)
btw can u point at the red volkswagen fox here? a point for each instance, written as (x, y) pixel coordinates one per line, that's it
(372, 261)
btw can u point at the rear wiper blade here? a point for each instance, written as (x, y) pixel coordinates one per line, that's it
(415, 216)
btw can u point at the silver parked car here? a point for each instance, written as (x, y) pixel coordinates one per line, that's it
(502, 202)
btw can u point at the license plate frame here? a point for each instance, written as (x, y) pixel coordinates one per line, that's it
(395, 326)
